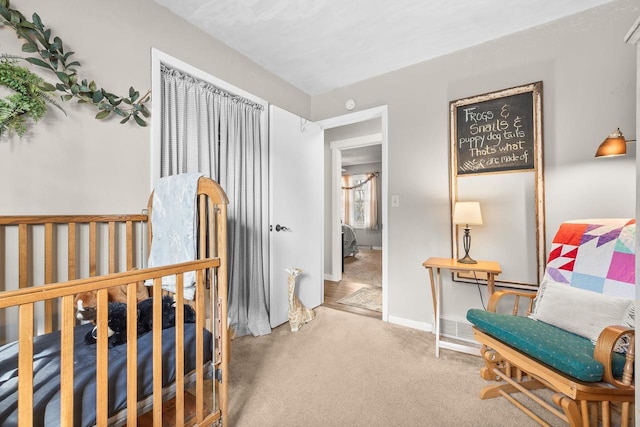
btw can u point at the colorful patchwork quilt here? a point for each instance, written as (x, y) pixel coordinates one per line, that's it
(596, 255)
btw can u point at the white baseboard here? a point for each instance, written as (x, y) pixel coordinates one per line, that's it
(370, 247)
(330, 277)
(422, 326)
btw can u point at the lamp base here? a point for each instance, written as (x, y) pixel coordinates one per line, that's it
(467, 260)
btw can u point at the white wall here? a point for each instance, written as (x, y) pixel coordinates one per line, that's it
(77, 164)
(589, 87)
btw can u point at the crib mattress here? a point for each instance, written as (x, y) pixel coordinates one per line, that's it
(46, 368)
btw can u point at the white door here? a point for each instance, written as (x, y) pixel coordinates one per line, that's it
(296, 167)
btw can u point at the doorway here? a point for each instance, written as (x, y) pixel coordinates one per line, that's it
(360, 288)
(357, 144)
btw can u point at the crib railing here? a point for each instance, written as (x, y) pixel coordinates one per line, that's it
(26, 298)
(57, 248)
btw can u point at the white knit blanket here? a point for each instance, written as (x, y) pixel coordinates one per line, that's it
(174, 227)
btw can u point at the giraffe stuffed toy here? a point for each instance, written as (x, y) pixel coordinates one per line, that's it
(298, 313)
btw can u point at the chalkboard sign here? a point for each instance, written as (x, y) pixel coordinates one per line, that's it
(496, 132)
(496, 159)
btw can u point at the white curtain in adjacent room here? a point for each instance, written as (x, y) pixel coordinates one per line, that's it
(346, 199)
(360, 200)
(371, 219)
(207, 130)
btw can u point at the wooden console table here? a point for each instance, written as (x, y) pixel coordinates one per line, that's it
(490, 268)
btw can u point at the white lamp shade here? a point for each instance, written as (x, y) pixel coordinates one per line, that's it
(467, 213)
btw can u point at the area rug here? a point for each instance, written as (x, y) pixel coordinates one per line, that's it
(367, 298)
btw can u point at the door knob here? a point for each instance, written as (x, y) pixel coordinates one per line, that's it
(282, 228)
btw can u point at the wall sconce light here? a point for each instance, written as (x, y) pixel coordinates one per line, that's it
(613, 145)
(467, 213)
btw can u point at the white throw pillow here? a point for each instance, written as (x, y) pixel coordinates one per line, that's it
(582, 312)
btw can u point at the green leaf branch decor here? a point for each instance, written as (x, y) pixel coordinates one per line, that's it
(29, 99)
(49, 54)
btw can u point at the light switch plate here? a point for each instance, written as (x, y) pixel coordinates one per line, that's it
(395, 201)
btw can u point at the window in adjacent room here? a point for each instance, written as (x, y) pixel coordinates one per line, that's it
(360, 201)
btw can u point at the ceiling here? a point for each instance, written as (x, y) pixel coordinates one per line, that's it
(322, 45)
(362, 155)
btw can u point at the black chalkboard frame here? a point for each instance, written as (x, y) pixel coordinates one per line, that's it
(472, 150)
(535, 91)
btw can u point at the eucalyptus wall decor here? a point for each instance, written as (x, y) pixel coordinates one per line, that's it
(28, 100)
(49, 53)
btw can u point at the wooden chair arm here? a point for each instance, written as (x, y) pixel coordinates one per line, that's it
(498, 295)
(603, 353)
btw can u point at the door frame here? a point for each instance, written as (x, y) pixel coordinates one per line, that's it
(336, 148)
(380, 112)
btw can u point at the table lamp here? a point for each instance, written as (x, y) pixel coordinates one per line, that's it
(467, 213)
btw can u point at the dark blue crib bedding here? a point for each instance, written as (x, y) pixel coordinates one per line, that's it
(46, 368)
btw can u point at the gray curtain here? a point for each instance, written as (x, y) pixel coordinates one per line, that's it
(207, 130)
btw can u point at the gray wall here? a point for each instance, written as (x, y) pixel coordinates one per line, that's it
(77, 164)
(589, 89)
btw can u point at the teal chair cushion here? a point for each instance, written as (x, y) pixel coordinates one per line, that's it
(562, 350)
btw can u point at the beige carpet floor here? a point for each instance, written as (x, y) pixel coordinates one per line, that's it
(348, 370)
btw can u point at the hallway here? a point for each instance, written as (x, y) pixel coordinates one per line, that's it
(362, 271)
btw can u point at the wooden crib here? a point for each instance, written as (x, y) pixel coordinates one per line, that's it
(177, 369)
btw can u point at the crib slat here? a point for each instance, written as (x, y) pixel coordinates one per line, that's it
(112, 247)
(200, 320)
(222, 286)
(202, 232)
(102, 359)
(132, 355)
(25, 365)
(48, 275)
(48, 253)
(66, 362)
(92, 248)
(214, 303)
(71, 251)
(211, 230)
(129, 228)
(179, 349)
(157, 352)
(23, 256)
